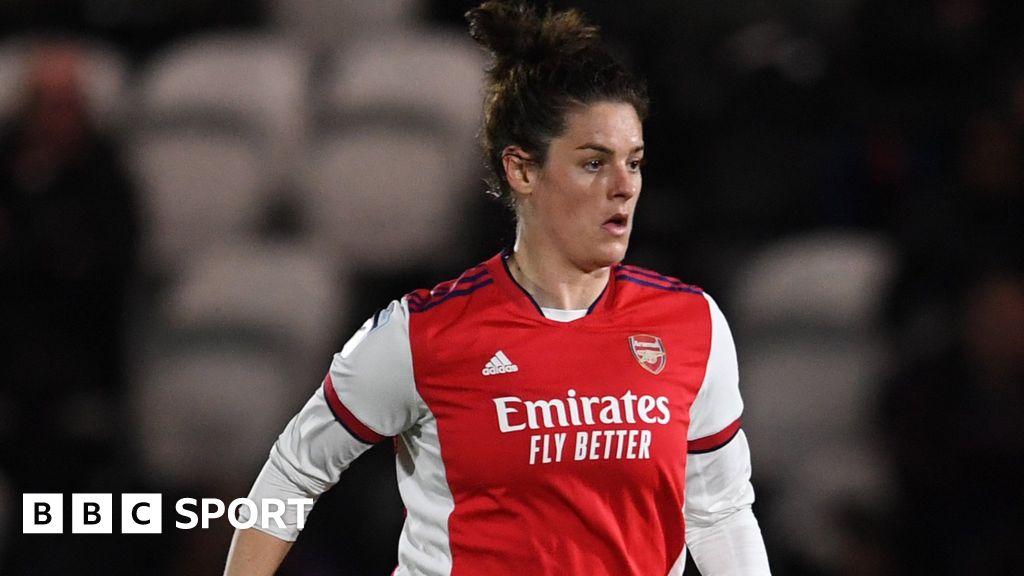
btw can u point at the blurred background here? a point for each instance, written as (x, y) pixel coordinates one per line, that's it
(200, 201)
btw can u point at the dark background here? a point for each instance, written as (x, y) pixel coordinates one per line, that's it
(845, 177)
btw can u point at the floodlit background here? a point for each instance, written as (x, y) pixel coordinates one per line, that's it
(200, 201)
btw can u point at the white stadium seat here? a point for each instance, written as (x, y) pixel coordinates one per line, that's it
(381, 197)
(285, 289)
(427, 72)
(197, 190)
(254, 83)
(393, 155)
(325, 24)
(239, 341)
(207, 410)
(807, 327)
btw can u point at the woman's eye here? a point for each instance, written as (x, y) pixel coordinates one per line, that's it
(593, 165)
(636, 164)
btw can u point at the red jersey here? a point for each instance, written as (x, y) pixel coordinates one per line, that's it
(527, 444)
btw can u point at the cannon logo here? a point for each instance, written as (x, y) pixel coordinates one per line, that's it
(648, 351)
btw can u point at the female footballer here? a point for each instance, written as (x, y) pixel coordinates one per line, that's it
(554, 411)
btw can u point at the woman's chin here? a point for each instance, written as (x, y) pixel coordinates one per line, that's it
(610, 255)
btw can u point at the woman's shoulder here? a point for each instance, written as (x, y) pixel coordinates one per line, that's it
(651, 279)
(465, 284)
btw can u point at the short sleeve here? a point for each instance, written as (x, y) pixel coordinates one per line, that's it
(715, 413)
(370, 387)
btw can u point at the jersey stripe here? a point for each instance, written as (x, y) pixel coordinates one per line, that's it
(357, 429)
(638, 271)
(649, 273)
(467, 279)
(715, 441)
(469, 282)
(650, 283)
(423, 306)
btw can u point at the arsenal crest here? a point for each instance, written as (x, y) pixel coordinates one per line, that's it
(648, 351)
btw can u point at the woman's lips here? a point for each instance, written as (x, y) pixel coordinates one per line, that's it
(616, 225)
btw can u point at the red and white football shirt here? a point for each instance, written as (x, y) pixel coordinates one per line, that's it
(531, 445)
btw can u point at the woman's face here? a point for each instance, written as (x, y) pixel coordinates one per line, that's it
(581, 203)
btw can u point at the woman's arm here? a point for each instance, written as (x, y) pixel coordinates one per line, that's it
(255, 553)
(369, 391)
(722, 533)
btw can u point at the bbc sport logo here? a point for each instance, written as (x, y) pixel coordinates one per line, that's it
(143, 513)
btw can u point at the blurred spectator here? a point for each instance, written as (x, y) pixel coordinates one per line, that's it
(67, 230)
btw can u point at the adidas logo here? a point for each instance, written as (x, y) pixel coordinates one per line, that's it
(499, 364)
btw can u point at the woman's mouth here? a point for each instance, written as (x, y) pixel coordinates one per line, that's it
(617, 224)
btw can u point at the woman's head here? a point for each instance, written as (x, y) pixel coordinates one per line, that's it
(544, 68)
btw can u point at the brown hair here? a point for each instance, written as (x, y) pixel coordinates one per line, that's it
(542, 68)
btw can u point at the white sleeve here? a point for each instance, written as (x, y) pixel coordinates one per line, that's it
(367, 396)
(722, 533)
(370, 386)
(715, 413)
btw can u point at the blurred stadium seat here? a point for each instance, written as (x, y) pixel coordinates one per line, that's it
(811, 353)
(250, 83)
(241, 339)
(198, 189)
(392, 152)
(422, 72)
(285, 289)
(207, 408)
(325, 24)
(381, 196)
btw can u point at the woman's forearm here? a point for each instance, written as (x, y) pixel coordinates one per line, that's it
(255, 553)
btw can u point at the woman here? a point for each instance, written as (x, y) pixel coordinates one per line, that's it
(543, 403)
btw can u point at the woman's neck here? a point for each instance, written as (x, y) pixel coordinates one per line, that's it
(554, 282)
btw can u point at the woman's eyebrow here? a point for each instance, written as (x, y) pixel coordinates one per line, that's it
(605, 149)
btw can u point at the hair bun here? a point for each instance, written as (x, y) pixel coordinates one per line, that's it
(514, 33)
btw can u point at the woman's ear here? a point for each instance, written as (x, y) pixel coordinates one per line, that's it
(518, 169)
